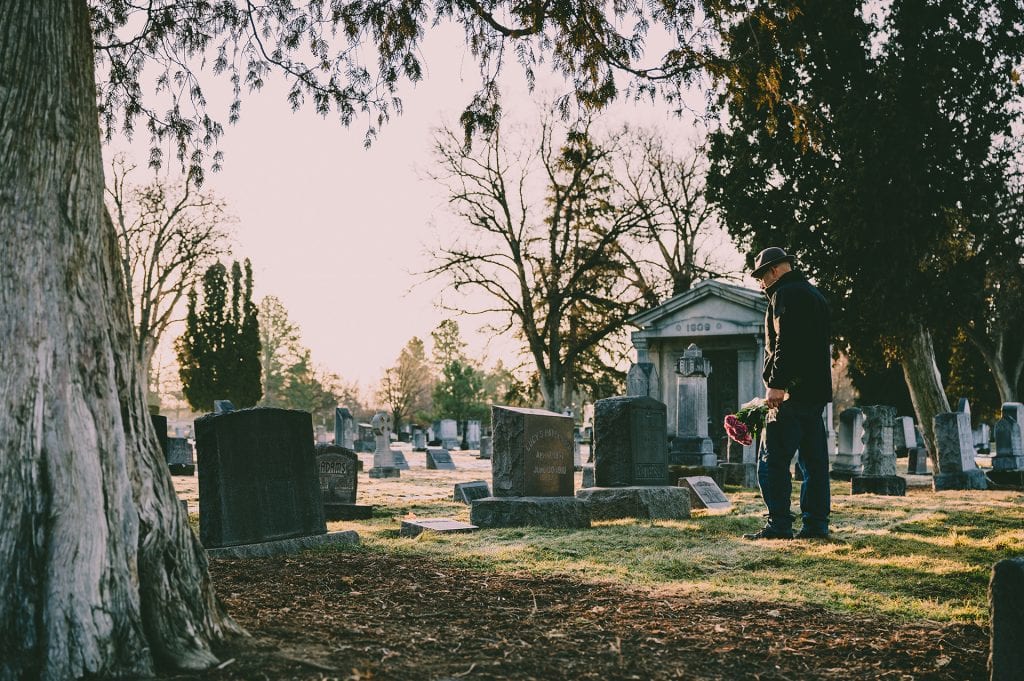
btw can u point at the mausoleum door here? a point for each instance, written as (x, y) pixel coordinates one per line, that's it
(722, 394)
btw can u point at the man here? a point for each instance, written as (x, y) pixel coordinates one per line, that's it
(798, 378)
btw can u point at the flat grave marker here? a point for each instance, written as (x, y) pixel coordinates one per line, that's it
(467, 492)
(414, 527)
(705, 493)
(438, 459)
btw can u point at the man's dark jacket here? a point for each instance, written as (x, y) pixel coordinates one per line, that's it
(797, 357)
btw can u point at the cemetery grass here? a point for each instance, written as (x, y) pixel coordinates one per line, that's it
(899, 592)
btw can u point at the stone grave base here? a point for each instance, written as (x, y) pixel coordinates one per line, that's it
(675, 472)
(347, 512)
(413, 528)
(974, 479)
(556, 512)
(647, 503)
(283, 546)
(1007, 479)
(1008, 463)
(740, 474)
(887, 485)
(385, 472)
(588, 476)
(185, 469)
(846, 474)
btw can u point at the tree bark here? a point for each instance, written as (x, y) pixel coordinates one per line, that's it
(925, 385)
(995, 365)
(100, 573)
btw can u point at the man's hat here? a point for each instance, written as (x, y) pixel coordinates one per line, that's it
(768, 258)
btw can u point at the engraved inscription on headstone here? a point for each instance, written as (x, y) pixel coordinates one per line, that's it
(532, 453)
(338, 479)
(705, 493)
(549, 462)
(631, 442)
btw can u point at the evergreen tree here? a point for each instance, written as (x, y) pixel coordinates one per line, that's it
(219, 353)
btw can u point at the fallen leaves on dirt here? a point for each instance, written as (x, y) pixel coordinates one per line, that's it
(359, 615)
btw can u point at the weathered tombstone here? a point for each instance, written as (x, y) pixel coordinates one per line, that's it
(692, 446)
(917, 461)
(642, 381)
(179, 456)
(258, 481)
(1006, 617)
(419, 440)
(223, 406)
(366, 441)
(1008, 463)
(344, 428)
(399, 458)
(851, 445)
(439, 459)
(467, 492)
(957, 469)
(449, 434)
(415, 527)
(486, 447)
(338, 467)
(705, 493)
(631, 464)
(983, 439)
(532, 472)
(903, 436)
(160, 426)
(588, 476)
(879, 457)
(473, 434)
(383, 457)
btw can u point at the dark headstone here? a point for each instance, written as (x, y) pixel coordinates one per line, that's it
(160, 426)
(486, 447)
(1006, 609)
(532, 453)
(258, 478)
(705, 493)
(282, 547)
(588, 476)
(338, 479)
(419, 440)
(439, 459)
(631, 447)
(179, 456)
(467, 492)
(740, 474)
(344, 428)
(400, 462)
(412, 528)
(556, 512)
(917, 461)
(1009, 435)
(647, 503)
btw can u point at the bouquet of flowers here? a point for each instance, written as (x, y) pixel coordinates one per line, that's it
(743, 426)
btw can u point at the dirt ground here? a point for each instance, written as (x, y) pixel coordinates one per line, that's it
(360, 615)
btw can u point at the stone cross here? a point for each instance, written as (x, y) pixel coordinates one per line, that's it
(382, 455)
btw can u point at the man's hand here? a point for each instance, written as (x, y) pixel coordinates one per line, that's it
(774, 397)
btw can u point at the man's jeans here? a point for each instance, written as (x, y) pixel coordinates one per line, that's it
(797, 427)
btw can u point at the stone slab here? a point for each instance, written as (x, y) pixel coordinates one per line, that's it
(467, 492)
(588, 475)
(917, 461)
(399, 458)
(886, 485)
(412, 528)
(716, 473)
(282, 547)
(554, 512)
(972, 479)
(631, 442)
(439, 459)
(647, 503)
(347, 511)
(182, 469)
(705, 493)
(1008, 480)
(740, 474)
(1006, 617)
(380, 473)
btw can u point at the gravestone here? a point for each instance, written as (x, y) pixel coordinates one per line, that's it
(642, 381)
(692, 446)
(366, 441)
(384, 465)
(957, 469)
(532, 472)
(467, 492)
(439, 459)
(850, 446)
(486, 447)
(344, 428)
(1008, 463)
(179, 456)
(963, 406)
(1006, 618)
(917, 461)
(338, 467)
(740, 466)
(705, 493)
(399, 458)
(983, 439)
(473, 434)
(588, 476)
(448, 433)
(223, 406)
(879, 457)
(160, 426)
(258, 479)
(904, 437)
(417, 526)
(419, 440)
(577, 449)
(630, 462)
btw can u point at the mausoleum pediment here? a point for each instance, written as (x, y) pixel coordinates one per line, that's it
(711, 307)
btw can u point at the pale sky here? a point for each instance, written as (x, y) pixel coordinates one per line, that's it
(337, 231)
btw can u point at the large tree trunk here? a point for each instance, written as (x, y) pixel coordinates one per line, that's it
(99, 571)
(925, 385)
(995, 365)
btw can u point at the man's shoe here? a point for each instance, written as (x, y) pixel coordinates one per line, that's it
(769, 532)
(805, 533)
